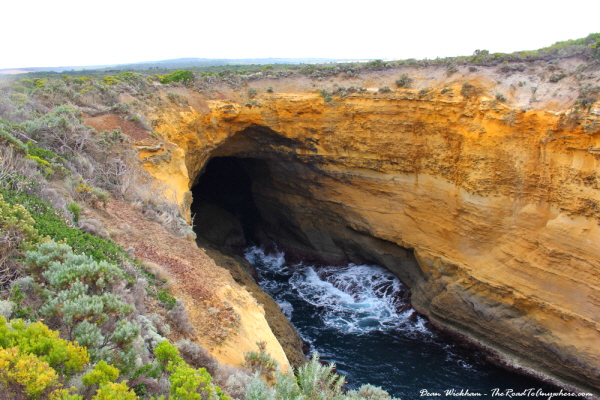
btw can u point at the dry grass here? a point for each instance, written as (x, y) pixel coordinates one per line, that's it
(180, 318)
(197, 356)
(158, 271)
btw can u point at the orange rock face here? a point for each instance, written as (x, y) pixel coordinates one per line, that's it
(490, 214)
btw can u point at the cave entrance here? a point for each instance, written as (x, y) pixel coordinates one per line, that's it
(246, 201)
(224, 211)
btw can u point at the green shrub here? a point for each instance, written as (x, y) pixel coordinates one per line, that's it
(404, 81)
(451, 69)
(318, 381)
(7, 134)
(312, 381)
(258, 390)
(77, 291)
(188, 383)
(101, 374)
(557, 77)
(62, 268)
(166, 354)
(512, 68)
(16, 297)
(355, 89)
(37, 339)
(99, 195)
(376, 64)
(588, 95)
(327, 96)
(34, 150)
(468, 90)
(174, 97)
(588, 40)
(368, 392)
(115, 391)
(48, 222)
(62, 130)
(38, 160)
(75, 209)
(261, 362)
(385, 89)
(42, 163)
(177, 76)
(168, 301)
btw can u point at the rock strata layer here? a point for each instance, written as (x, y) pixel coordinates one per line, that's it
(489, 214)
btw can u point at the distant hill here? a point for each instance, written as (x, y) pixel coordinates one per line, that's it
(210, 62)
(177, 63)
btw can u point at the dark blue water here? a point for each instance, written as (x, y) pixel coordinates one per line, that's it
(358, 317)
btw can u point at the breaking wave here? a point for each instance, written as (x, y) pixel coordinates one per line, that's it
(351, 299)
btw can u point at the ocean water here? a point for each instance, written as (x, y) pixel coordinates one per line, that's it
(359, 317)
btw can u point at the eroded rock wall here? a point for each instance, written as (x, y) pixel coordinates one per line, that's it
(489, 214)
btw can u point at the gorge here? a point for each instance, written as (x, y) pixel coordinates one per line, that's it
(487, 211)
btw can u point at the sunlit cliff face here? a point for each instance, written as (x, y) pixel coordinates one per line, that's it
(489, 214)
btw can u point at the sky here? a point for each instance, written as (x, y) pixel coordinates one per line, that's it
(48, 33)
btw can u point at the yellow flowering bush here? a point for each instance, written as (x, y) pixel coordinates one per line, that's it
(114, 391)
(111, 80)
(37, 339)
(34, 361)
(18, 368)
(101, 374)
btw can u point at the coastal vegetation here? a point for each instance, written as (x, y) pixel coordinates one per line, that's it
(82, 317)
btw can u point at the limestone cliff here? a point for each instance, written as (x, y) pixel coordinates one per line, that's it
(490, 213)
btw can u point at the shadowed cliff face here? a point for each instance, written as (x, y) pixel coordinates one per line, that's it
(489, 214)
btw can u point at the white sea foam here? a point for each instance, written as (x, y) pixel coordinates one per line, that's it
(286, 308)
(355, 298)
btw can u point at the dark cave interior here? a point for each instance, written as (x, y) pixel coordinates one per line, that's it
(224, 211)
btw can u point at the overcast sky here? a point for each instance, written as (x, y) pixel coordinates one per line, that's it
(67, 32)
